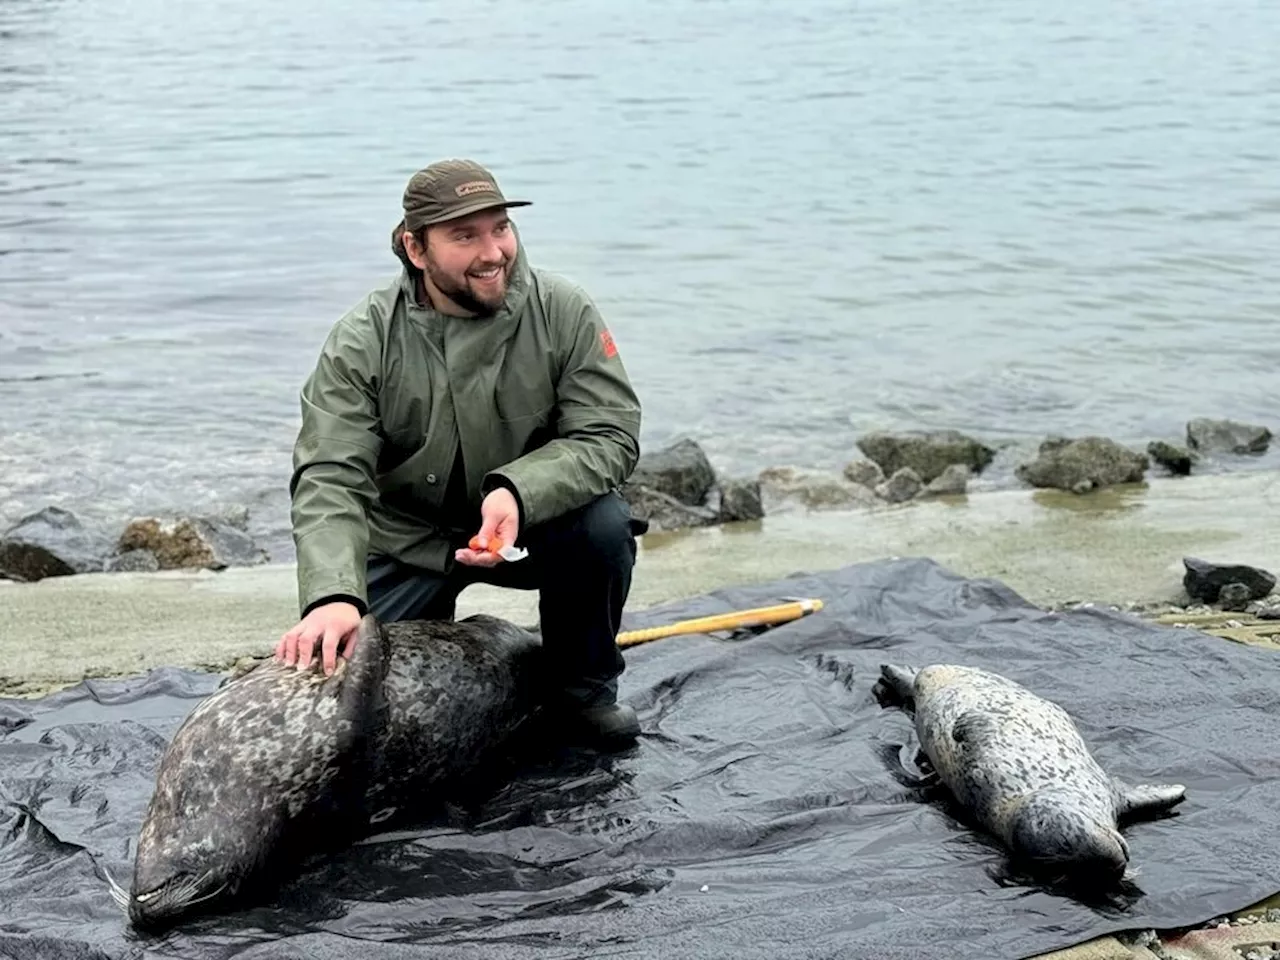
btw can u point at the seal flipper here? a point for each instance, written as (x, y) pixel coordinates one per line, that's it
(362, 702)
(361, 692)
(900, 680)
(1148, 800)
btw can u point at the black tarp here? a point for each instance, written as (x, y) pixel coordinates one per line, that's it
(769, 810)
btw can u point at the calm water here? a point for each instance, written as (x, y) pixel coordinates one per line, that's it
(803, 221)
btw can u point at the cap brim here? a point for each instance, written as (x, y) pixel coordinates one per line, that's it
(476, 208)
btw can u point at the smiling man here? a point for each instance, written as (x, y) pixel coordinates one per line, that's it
(473, 402)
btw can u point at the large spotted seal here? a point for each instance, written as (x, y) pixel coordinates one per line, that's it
(1020, 767)
(277, 763)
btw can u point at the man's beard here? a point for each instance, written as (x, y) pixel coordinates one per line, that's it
(462, 295)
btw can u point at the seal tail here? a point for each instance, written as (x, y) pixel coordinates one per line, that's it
(1148, 800)
(900, 680)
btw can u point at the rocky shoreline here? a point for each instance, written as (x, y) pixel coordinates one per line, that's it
(673, 488)
(676, 487)
(54, 542)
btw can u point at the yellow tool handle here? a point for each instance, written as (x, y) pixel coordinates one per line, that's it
(760, 616)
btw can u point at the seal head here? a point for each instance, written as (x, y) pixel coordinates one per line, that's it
(1055, 832)
(260, 760)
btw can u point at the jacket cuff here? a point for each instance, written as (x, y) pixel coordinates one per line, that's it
(334, 598)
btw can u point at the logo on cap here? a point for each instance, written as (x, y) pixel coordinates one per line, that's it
(474, 186)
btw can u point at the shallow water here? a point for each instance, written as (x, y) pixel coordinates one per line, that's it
(803, 222)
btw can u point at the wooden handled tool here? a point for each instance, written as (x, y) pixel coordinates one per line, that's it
(760, 616)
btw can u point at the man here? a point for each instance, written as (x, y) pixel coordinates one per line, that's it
(473, 399)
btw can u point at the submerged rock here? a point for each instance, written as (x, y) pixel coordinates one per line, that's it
(1234, 596)
(191, 543)
(865, 473)
(1205, 581)
(1082, 464)
(814, 489)
(681, 471)
(677, 487)
(664, 512)
(953, 480)
(236, 514)
(904, 485)
(1177, 460)
(133, 561)
(928, 453)
(1227, 436)
(737, 499)
(51, 542)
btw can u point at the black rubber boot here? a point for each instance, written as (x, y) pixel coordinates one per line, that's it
(609, 726)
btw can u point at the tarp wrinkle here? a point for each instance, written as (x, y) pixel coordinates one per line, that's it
(772, 809)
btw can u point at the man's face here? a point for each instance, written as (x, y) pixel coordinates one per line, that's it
(469, 259)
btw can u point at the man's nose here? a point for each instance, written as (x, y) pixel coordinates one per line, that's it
(490, 251)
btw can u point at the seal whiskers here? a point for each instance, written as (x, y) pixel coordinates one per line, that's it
(1018, 765)
(118, 893)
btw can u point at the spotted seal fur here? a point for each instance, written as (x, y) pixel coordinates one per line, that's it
(1020, 767)
(277, 763)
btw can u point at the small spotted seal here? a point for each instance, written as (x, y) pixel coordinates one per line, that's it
(277, 764)
(1018, 764)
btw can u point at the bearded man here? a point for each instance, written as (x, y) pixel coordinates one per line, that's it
(473, 403)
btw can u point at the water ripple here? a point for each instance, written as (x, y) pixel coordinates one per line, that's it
(986, 215)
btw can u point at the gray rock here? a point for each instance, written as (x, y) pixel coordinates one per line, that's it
(663, 511)
(814, 489)
(739, 500)
(1205, 581)
(1177, 460)
(191, 543)
(953, 480)
(1234, 596)
(927, 453)
(237, 515)
(681, 470)
(51, 542)
(1082, 464)
(904, 485)
(133, 561)
(1227, 436)
(865, 473)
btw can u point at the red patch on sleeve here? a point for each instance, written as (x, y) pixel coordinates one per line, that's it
(606, 341)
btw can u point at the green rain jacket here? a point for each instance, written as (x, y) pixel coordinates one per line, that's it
(535, 398)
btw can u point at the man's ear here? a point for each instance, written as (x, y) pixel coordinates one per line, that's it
(415, 251)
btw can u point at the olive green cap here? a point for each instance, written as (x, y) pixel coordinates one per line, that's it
(451, 189)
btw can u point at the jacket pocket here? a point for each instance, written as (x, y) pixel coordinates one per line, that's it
(417, 474)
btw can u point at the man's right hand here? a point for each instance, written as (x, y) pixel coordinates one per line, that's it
(330, 624)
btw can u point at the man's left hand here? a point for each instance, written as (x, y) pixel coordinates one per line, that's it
(500, 520)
